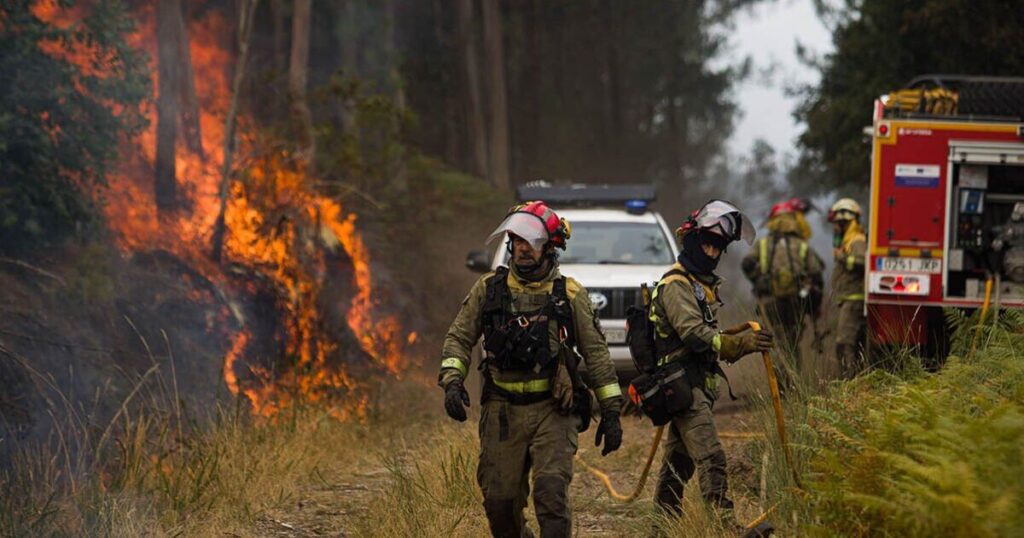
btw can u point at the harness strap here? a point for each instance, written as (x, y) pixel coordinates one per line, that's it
(562, 310)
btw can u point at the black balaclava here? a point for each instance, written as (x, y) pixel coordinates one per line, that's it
(693, 258)
(535, 271)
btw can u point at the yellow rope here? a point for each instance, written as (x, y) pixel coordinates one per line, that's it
(643, 476)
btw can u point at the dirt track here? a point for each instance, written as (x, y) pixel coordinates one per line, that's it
(336, 499)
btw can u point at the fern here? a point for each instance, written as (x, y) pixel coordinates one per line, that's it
(924, 454)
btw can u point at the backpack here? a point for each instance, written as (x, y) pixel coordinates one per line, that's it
(784, 275)
(660, 392)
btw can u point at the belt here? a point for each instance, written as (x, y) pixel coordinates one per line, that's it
(524, 387)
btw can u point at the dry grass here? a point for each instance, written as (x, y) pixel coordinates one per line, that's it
(156, 474)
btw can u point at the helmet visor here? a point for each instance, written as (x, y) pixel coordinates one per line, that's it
(725, 219)
(524, 225)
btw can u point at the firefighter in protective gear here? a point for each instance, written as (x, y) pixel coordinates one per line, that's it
(850, 245)
(787, 276)
(684, 309)
(535, 324)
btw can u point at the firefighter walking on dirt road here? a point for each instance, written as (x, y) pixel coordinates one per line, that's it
(684, 311)
(535, 400)
(850, 245)
(787, 277)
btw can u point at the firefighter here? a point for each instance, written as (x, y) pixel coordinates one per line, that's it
(684, 310)
(849, 245)
(787, 276)
(534, 400)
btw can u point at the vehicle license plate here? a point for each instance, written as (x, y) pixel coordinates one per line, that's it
(909, 265)
(615, 336)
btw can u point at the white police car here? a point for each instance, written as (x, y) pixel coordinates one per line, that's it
(617, 243)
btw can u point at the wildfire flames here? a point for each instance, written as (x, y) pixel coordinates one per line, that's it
(277, 227)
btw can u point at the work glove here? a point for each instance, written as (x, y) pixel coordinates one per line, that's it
(735, 346)
(456, 400)
(611, 430)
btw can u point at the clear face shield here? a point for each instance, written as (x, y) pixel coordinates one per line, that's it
(726, 220)
(525, 226)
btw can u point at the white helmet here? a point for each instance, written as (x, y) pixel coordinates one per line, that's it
(722, 218)
(844, 209)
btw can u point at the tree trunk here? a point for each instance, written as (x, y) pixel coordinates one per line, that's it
(245, 23)
(451, 129)
(348, 43)
(168, 22)
(189, 101)
(279, 15)
(471, 85)
(398, 175)
(497, 95)
(531, 84)
(298, 70)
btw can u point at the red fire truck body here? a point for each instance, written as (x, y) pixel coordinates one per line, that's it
(941, 189)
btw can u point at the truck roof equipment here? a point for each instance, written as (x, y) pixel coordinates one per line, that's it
(938, 95)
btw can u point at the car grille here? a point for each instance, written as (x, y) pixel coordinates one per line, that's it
(619, 299)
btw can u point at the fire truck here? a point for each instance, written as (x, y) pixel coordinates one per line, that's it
(947, 205)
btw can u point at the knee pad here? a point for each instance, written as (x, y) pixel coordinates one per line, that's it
(502, 517)
(550, 501)
(674, 474)
(550, 494)
(682, 465)
(714, 480)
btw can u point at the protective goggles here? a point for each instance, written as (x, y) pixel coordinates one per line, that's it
(527, 226)
(726, 220)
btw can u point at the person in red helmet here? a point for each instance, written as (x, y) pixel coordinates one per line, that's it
(787, 277)
(535, 401)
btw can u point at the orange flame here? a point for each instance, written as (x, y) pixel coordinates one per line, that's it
(274, 221)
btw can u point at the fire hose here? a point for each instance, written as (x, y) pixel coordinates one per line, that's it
(780, 423)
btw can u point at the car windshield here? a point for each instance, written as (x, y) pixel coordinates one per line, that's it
(628, 243)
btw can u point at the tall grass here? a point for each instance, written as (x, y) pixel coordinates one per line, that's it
(156, 469)
(431, 490)
(912, 453)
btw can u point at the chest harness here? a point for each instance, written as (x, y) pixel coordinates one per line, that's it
(521, 340)
(704, 361)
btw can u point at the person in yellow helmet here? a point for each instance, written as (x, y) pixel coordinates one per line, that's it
(535, 323)
(850, 246)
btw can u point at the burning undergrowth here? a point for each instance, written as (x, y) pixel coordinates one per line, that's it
(291, 297)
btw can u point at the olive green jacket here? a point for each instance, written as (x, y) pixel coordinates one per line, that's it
(467, 328)
(848, 273)
(674, 306)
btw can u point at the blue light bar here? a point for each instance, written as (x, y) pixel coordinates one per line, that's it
(636, 207)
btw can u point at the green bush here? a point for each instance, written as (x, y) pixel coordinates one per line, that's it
(59, 129)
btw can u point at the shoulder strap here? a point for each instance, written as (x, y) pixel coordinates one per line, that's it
(497, 290)
(562, 310)
(798, 270)
(699, 292)
(762, 246)
(497, 300)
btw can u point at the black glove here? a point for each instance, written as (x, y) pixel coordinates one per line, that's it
(456, 400)
(611, 430)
